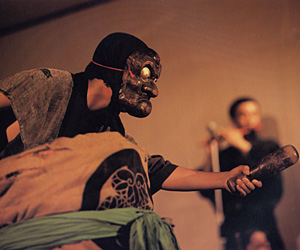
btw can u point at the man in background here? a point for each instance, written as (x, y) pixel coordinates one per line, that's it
(244, 146)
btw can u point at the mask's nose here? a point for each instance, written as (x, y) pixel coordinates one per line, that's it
(150, 89)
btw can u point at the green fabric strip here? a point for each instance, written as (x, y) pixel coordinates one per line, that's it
(147, 229)
(151, 232)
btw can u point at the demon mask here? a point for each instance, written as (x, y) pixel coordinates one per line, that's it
(140, 75)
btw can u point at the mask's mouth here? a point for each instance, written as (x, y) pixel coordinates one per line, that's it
(144, 97)
(139, 107)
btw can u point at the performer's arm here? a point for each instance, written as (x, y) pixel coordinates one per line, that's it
(13, 129)
(4, 101)
(183, 179)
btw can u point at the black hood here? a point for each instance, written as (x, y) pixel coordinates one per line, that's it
(113, 51)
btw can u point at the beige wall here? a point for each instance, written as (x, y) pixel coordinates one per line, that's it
(212, 52)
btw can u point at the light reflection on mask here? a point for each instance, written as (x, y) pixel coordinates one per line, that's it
(140, 74)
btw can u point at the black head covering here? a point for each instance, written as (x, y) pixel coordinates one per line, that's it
(113, 51)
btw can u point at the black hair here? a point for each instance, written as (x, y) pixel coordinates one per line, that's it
(236, 103)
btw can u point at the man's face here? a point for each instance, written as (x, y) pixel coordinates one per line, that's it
(140, 75)
(248, 115)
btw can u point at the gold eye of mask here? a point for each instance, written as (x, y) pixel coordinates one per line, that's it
(145, 73)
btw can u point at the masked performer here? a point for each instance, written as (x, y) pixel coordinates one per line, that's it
(52, 193)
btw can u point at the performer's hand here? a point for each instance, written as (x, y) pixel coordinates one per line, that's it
(244, 185)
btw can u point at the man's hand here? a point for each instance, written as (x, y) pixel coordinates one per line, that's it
(235, 137)
(243, 184)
